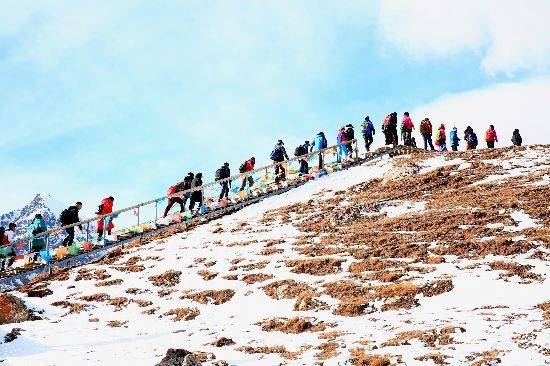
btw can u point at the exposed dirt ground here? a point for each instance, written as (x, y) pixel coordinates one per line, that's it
(439, 260)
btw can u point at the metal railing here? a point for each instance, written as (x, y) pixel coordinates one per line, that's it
(210, 195)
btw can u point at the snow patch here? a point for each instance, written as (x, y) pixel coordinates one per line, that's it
(524, 221)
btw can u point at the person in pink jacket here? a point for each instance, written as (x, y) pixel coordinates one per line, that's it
(491, 137)
(406, 129)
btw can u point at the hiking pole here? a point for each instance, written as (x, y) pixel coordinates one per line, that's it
(156, 211)
(356, 149)
(138, 215)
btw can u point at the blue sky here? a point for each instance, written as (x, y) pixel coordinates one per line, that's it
(125, 98)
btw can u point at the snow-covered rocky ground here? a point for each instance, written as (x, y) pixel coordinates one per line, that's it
(418, 260)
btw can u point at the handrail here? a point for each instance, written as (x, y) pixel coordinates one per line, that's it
(179, 194)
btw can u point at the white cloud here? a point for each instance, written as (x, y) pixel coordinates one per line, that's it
(507, 106)
(510, 36)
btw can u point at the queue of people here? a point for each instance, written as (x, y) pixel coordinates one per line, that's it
(439, 139)
(345, 136)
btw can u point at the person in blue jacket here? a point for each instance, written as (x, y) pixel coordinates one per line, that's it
(367, 128)
(37, 227)
(453, 138)
(319, 143)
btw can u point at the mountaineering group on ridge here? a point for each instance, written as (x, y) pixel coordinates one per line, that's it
(345, 137)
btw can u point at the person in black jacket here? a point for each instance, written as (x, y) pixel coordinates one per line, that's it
(223, 173)
(70, 216)
(516, 138)
(350, 136)
(188, 182)
(196, 196)
(278, 155)
(300, 151)
(393, 129)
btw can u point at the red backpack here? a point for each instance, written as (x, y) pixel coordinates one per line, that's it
(489, 136)
(175, 188)
(171, 190)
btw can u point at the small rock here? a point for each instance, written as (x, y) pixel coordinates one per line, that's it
(220, 363)
(39, 293)
(12, 336)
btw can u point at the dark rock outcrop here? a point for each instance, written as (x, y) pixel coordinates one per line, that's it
(178, 357)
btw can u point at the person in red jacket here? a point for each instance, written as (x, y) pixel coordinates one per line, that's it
(491, 137)
(247, 166)
(106, 207)
(441, 138)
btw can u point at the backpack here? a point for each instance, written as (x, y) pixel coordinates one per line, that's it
(171, 190)
(438, 139)
(276, 154)
(187, 181)
(474, 139)
(424, 127)
(38, 230)
(489, 136)
(64, 216)
(242, 168)
(100, 208)
(219, 174)
(349, 133)
(323, 142)
(299, 151)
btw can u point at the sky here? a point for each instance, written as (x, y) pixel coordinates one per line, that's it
(124, 98)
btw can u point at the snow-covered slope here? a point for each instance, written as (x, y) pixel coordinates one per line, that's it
(419, 260)
(41, 204)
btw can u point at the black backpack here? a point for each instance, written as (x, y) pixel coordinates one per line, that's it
(99, 209)
(349, 133)
(219, 174)
(64, 216)
(299, 151)
(242, 168)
